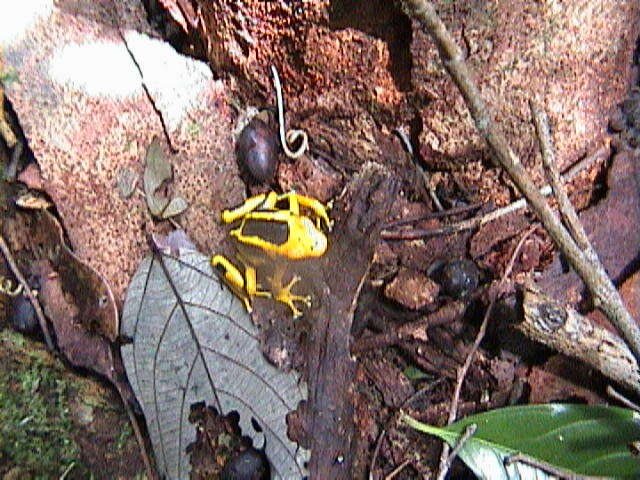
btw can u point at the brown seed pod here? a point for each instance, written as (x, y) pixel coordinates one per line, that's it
(22, 315)
(248, 465)
(459, 278)
(256, 150)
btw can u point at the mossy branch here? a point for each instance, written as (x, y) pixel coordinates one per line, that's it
(605, 295)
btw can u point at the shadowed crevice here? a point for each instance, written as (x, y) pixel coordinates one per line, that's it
(384, 20)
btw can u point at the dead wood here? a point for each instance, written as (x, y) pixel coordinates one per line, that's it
(565, 330)
(593, 274)
(416, 329)
(338, 279)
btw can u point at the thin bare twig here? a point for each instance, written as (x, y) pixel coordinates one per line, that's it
(568, 213)
(6, 132)
(547, 468)
(462, 372)
(396, 470)
(613, 393)
(148, 464)
(466, 435)
(423, 172)
(376, 451)
(27, 291)
(431, 215)
(67, 471)
(478, 221)
(604, 293)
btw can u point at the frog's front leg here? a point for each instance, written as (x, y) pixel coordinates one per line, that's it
(296, 201)
(284, 295)
(250, 204)
(245, 286)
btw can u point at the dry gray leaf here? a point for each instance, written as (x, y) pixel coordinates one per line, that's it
(193, 341)
(158, 170)
(175, 206)
(126, 182)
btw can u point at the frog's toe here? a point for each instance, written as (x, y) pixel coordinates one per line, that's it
(285, 296)
(296, 313)
(288, 299)
(306, 299)
(247, 304)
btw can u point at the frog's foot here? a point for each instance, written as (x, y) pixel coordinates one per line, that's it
(246, 301)
(285, 296)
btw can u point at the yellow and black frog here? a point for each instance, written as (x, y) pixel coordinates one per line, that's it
(272, 240)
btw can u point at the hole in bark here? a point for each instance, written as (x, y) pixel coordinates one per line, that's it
(384, 20)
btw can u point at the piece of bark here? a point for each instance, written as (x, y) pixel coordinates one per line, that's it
(559, 379)
(412, 289)
(390, 381)
(612, 228)
(565, 330)
(337, 279)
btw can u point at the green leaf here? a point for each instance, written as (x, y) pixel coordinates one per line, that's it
(413, 373)
(582, 439)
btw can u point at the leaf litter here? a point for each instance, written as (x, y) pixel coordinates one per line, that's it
(104, 257)
(193, 341)
(158, 171)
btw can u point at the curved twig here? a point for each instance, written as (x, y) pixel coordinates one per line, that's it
(6, 287)
(27, 290)
(292, 135)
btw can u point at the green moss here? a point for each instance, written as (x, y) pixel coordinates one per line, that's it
(7, 77)
(124, 436)
(35, 424)
(194, 129)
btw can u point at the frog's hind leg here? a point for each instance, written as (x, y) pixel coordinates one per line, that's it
(244, 286)
(232, 278)
(251, 284)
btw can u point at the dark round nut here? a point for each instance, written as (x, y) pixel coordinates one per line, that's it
(459, 278)
(248, 465)
(256, 150)
(22, 315)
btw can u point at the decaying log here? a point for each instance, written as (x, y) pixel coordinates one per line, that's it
(565, 330)
(338, 279)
